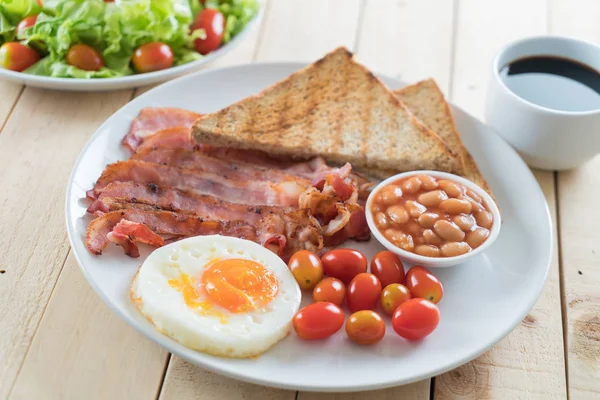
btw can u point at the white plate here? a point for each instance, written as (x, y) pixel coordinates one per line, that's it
(129, 81)
(484, 299)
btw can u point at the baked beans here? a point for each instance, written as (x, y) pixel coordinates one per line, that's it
(431, 217)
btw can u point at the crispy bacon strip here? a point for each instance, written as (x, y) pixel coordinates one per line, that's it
(162, 223)
(288, 232)
(117, 195)
(179, 138)
(169, 127)
(356, 228)
(294, 231)
(262, 192)
(198, 160)
(123, 195)
(153, 119)
(126, 233)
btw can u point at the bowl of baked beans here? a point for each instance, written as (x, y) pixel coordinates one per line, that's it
(432, 218)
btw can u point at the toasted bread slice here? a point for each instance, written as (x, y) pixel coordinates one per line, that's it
(427, 103)
(334, 108)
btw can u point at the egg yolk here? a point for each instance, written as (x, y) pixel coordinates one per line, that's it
(190, 294)
(189, 291)
(239, 285)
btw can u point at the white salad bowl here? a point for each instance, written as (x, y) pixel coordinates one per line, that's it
(130, 81)
(413, 258)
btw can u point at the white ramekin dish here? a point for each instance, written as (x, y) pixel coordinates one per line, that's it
(413, 258)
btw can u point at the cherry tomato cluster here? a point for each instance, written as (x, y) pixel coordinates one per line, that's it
(409, 298)
(148, 57)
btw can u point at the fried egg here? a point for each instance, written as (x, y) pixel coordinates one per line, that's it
(220, 295)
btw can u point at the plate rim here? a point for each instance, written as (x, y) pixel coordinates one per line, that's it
(172, 347)
(134, 80)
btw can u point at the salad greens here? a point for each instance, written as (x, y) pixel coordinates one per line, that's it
(114, 29)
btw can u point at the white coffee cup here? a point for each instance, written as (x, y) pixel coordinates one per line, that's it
(546, 138)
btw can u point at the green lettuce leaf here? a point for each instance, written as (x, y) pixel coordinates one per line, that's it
(11, 13)
(115, 30)
(237, 15)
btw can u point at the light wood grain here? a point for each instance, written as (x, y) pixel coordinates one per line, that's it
(397, 40)
(579, 236)
(414, 391)
(575, 18)
(581, 276)
(59, 341)
(306, 30)
(529, 363)
(185, 381)
(482, 29)
(10, 93)
(83, 350)
(38, 145)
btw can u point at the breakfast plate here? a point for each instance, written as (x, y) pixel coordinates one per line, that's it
(131, 81)
(485, 298)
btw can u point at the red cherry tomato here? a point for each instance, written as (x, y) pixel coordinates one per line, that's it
(40, 3)
(331, 290)
(318, 321)
(392, 296)
(17, 57)
(25, 23)
(344, 264)
(363, 292)
(365, 327)
(152, 57)
(422, 283)
(84, 57)
(415, 318)
(213, 23)
(388, 268)
(306, 268)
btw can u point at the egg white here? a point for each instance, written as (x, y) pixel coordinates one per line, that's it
(217, 331)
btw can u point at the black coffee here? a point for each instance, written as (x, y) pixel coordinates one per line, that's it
(554, 82)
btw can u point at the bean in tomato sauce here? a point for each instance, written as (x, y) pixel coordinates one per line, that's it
(431, 217)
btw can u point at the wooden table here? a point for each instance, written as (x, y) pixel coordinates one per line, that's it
(59, 341)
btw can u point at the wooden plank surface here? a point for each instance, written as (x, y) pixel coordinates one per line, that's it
(581, 277)
(82, 345)
(186, 381)
(10, 93)
(395, 40)
(60, 341)
(36, 157)
(579, 237)
(529, 363)
(415, 391)
(297, 30)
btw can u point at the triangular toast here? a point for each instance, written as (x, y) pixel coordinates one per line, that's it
(426, 101)
(334, 108)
